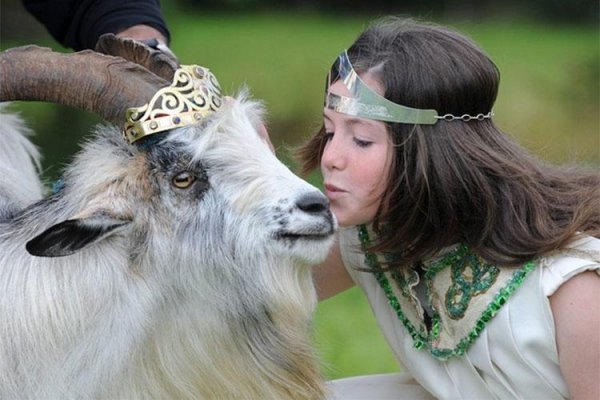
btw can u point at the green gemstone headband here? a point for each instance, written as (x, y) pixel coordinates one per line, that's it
(366, 103)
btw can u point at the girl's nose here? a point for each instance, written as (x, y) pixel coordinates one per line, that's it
(333, 155)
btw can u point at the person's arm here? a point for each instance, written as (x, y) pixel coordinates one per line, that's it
(576, 309)
(78, 24)
(331, 277)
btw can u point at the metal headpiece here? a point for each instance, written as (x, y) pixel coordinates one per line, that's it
(193, 95)
(366, 103)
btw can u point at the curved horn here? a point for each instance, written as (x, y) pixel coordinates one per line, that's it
(104, 85)
(154, 60)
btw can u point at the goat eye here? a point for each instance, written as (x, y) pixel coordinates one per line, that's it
(183, 180)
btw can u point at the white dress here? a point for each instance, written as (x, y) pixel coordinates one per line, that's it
(492, 332)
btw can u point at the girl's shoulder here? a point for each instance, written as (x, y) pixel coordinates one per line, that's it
(558, 267)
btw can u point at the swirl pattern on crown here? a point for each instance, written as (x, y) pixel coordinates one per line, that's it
(194, 94)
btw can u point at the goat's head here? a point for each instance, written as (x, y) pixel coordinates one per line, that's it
(188, 247)
(213, 187)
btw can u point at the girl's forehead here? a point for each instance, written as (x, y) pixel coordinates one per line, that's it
(335, 117)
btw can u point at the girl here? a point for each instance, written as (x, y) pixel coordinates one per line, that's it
(479, 261)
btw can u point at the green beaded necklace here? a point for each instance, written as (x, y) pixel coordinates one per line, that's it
(457, 297)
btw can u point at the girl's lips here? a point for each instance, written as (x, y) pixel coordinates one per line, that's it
(332, 191)
(332, 188)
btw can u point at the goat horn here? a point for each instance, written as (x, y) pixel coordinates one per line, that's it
(154, 60)
(94, 82)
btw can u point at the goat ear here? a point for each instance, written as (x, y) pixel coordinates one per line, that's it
(72, 235)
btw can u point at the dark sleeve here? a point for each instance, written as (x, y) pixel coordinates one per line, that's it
(79, 23)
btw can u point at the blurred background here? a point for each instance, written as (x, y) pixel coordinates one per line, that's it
(547, 52)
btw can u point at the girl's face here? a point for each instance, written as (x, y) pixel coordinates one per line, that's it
(356, 161)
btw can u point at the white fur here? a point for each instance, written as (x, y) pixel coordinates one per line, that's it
(192, 299)
(19, 164)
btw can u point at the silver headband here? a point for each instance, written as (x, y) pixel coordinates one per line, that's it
(366, 103)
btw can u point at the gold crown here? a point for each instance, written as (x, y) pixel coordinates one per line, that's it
(193, 95)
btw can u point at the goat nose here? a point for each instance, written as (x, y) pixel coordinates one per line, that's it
(313, 203)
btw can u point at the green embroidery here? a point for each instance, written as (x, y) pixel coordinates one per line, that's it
(470, 276)
(403, 283)
(418, 335)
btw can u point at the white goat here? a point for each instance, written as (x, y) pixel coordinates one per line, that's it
(173, 270)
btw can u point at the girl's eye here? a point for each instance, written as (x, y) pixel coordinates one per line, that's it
(183, 180)
(362, 143)
(328, 135)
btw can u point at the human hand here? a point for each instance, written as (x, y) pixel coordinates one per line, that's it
(150, 37)
(147, 53)
(142, 33)
(158, 45)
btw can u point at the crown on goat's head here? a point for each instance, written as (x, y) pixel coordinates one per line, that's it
(194, 94)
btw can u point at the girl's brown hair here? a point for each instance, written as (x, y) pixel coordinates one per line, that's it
(455, 181)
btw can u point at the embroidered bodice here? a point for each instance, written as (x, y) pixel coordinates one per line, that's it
(462, 290)
(465, 329)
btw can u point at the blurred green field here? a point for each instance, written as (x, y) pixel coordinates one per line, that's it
(549, 100)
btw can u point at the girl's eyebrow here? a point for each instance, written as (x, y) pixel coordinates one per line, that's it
(358, 121)
(351, 121)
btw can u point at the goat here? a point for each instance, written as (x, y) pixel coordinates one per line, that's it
(173, 269)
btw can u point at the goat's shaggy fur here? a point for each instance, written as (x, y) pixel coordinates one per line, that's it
(201, 292)
(19, 163)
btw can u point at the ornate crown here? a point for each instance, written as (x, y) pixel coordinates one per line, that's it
(193, 95)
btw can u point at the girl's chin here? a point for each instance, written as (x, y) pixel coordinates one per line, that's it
(349, 222)
(342, 223)
(349, 216)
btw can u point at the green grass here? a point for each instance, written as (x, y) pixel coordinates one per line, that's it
(548, 101)
(348, 339)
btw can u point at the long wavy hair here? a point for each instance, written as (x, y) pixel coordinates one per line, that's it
(455, 181)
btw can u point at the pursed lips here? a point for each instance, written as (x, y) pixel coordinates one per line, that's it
(332, 190)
